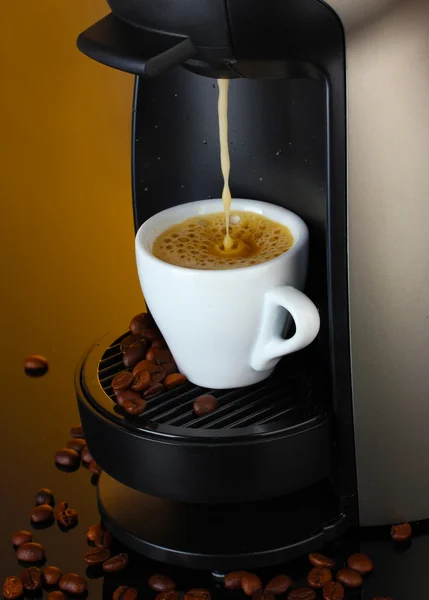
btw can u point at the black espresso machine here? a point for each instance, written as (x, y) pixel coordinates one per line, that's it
(272, 474)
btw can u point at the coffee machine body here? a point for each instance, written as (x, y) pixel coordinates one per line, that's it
(327, 118)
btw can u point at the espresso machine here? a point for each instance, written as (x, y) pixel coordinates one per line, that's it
(328, 117)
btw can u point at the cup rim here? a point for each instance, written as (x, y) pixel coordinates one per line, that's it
(298, 222)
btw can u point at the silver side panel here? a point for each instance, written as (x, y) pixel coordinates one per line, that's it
(388, 194)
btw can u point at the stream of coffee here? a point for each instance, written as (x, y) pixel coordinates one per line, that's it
(224, 156)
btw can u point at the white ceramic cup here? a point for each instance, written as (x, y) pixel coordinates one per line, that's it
(225, 328)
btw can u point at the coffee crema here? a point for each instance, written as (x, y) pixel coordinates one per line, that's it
(198, 242)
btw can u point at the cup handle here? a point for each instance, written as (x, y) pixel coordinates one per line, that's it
(270, 346)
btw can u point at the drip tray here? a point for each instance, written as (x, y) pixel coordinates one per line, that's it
(263, 441)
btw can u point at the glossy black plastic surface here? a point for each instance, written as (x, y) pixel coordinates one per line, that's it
(230, 456)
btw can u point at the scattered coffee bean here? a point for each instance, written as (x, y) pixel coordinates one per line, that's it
(401, 532)
(57, 595)
(174, 380)
(77, 431)
(279, 585)
(232, 581)
(67, 458)
(205, 404)
(170, 595)
(141, 381)
(30, 552)
(125, 593)
(12, 588)
(66, 516)
(127, 395)
(141, 322)
(135, 406)
(21, 537)
(103, 538)
(36, 365)
(134, 354)
(350, 578)
(116, 563)
(318, 577)
(250, 583)
(95, 531)
(130, 340)
(44, 496)
(198, 594)
(153, 390)
(302, 594)
(72, 584)
(86, 456)
(77, 444)
(94, 468)
(42, 513)
(161, 583)
(159, 343)
(263, 595)
(152, 334)
(96, 556)
(319, 560)
(360, 563)
(51, 575)
(333, 590)
(31, 579)
(122, 381)
(159, 355)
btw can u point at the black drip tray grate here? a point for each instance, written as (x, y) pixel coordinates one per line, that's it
(293, 397)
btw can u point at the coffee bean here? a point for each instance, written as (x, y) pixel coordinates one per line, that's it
(161, 583)
(125, 593)
(159, 355)
(170, 595)
(159, 343)
(401, 532)
(157, 375)
(205, 404)
(170, 368)
(349, 578)
(152, 334)
(333, 590)
(153, 390)
(141, 381)
(116, 563)
(279, 585)
(263, 595)
(66, 516)
(72, 584)
(77, 431)
(122, 381)
(77, 444)
(12, 588)
(360, 563)
(30, 552)
(51, 575)
(302, 594)
(250, 583)
(127, 395)
(130, 340)
(135, 406)
(174, 380)
(67, 458)
(57, 595)
(21, 537)
(95, 531)
(44, 496)
(94, 468)
(198, 594)
(96, 556)
(232, 581)
(134, 354)
(144, 365)
(31, 579)
(36, 365)
(86, 455)
(141, 322)
(319, 560)
(103, 539)
(318, 577)
(42, 513)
